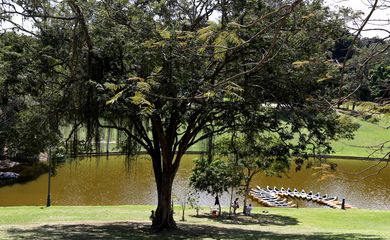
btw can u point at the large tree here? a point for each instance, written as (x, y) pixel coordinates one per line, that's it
(170, 75)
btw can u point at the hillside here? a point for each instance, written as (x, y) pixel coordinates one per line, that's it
(372, 139)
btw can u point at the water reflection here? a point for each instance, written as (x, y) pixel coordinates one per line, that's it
(113, 180)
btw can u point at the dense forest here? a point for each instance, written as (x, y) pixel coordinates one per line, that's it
(170, 74)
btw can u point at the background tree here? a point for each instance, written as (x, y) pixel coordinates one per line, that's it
(380, 83)
(28, 125)
(363, 77)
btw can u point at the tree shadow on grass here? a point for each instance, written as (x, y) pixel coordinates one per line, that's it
(254, 219)
(133, 230)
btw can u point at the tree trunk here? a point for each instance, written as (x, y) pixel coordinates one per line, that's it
(231, 201)
(247, 188)
(164, 212)
(246, 192)
(248, 180)
(164, 173)
(165, 165)
(183, 209)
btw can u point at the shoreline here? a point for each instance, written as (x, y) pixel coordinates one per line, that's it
(344, 157)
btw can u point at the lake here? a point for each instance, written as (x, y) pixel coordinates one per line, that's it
(115, 180)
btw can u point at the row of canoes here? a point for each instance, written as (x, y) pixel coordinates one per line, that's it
(269, 199)
(263, 195)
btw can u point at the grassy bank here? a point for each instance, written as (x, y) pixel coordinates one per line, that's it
(368, 139)
(131, 222)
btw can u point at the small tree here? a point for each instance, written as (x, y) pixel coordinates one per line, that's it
(253, 154)
(193, 199)
(214, 177)
(183, 203)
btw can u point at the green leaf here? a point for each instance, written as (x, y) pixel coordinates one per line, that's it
(206, 33)
(300, 64)
(165, 34)
(111, 86)
(139, 100)
(143, 86)
(115, 98)
(136, 79)
(209, 94)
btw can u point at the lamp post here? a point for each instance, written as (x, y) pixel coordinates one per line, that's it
(48, 203)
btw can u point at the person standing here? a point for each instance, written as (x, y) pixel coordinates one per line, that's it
(216, 200)
(248, 210)
(235, 205)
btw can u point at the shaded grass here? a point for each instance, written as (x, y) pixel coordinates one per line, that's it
(30, 215)
(131, 222)
(133, 230)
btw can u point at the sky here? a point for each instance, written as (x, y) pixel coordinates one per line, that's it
(360, 5)
(364, 6)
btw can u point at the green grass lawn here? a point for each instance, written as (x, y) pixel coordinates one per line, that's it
(131, 222)
(367, 139)
(366, 143)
